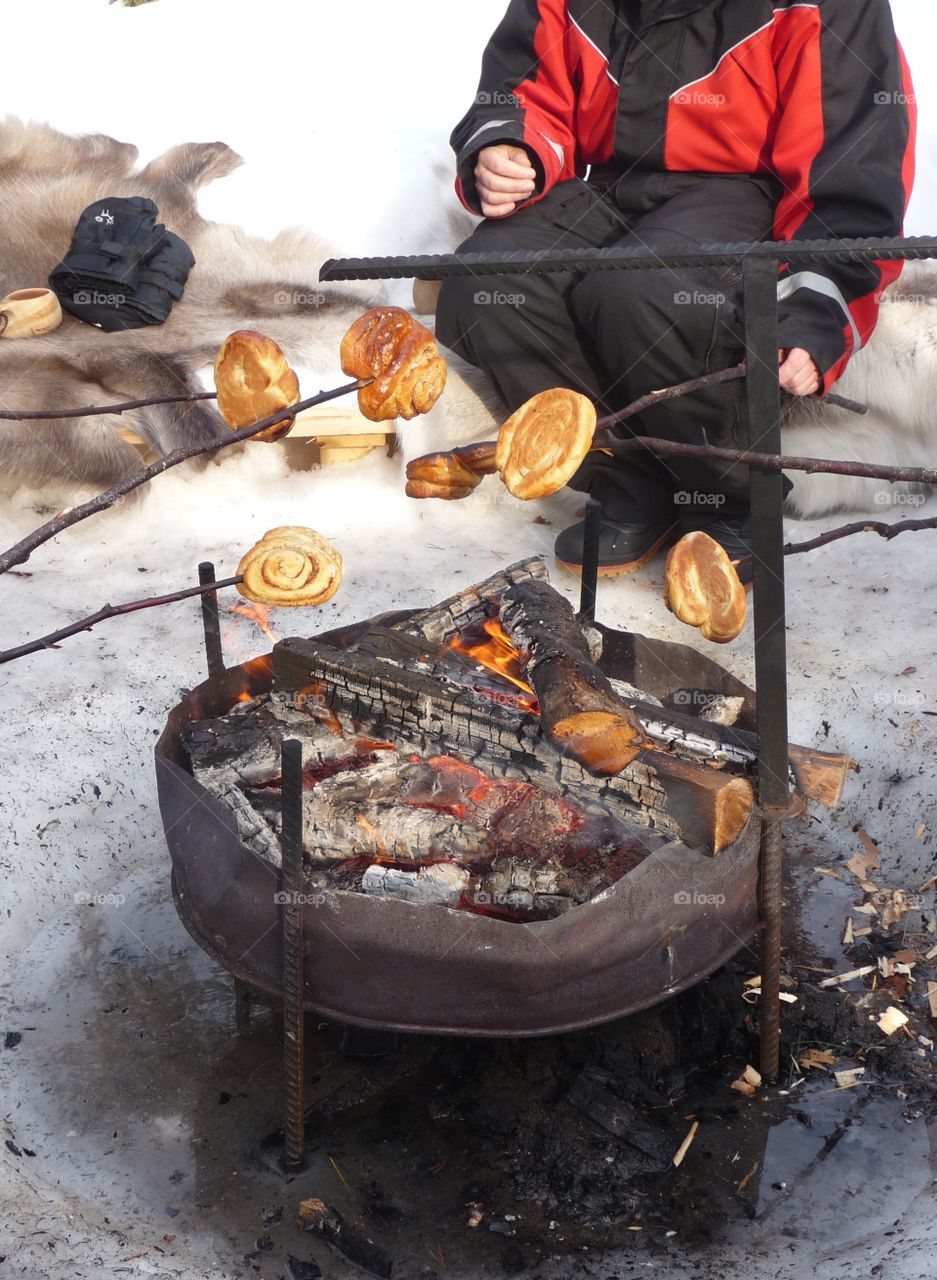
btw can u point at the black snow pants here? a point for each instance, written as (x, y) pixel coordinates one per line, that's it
(617, 335)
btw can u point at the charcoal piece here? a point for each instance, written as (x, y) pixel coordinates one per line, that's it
(324, 1221)
(297, 1269)
(620, 1119)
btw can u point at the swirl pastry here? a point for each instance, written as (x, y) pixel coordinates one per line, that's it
(400, 354)
(290, 566)
(254, 380)
(542, 444)
(703, 589)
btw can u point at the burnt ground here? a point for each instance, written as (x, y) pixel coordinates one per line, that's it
(561, 1148)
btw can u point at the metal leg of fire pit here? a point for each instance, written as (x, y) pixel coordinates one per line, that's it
(767, 498)
(291, 895)
(211, 621)
(590, 560)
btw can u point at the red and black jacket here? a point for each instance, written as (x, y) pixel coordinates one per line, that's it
(817, 94)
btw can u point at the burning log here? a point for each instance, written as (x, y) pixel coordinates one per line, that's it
(579, 709)
(818, 775)
(417, 709)
(472, 605)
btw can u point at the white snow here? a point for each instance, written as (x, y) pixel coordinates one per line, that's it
(342, 114)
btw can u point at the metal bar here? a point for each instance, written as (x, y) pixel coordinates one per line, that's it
(767, 499)
(291, 895)
(590, 560)
(211, 622)
(436, 266)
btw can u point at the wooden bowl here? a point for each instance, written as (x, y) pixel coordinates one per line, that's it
(26, 313)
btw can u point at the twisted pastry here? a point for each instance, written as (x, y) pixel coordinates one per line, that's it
(254, 380)
(702, 588)
(440, 475)
(450, 475)
(400, 354)
(290, 566)
(542, 444)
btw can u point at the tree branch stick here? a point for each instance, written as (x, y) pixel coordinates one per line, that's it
(89, 411)
(111, 611)
(23, 549)
(767, 461)
(733, 374)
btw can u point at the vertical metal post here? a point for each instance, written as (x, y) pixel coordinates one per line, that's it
(291, 891)
(767, 497)
(211, 622)
(590, 560)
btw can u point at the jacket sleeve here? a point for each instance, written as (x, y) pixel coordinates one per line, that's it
(525, 96)
(844, 151)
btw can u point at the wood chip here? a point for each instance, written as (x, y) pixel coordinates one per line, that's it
(824, 871)
(931, 954)
(848, 977)
(932, 998)
(748, 1177)
(817, 1059)
(862, 863)
(849, 935)
(921, 830)
(686, 1144)
(849, 1079)
(928, 884)
(867, 909)
(748, 1082)
(891, 1020)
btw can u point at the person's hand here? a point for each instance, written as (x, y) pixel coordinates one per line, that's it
(798, 373)
(505, 178)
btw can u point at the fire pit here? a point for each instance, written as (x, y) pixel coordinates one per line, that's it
(679, 900)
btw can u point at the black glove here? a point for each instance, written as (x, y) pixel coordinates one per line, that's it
(123, 269)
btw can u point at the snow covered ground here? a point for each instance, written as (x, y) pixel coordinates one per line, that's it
(341, 113)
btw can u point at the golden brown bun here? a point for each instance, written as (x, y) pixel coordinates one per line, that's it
(702, 588)
(440, 475)
(542, 444)
(254, 380)
(290, 565)
(400, 354)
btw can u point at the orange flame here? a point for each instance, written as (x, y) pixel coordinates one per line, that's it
(259, 614)
(499, 655)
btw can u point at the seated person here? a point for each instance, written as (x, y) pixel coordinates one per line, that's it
(663, 124)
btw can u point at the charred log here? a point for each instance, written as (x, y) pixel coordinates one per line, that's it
(579, 710)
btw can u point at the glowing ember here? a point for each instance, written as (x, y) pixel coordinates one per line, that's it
(259, 614)
(496, 653)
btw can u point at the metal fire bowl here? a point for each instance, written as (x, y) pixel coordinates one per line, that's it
(383, 963)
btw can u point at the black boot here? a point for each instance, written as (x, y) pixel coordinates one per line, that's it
(623, 547)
